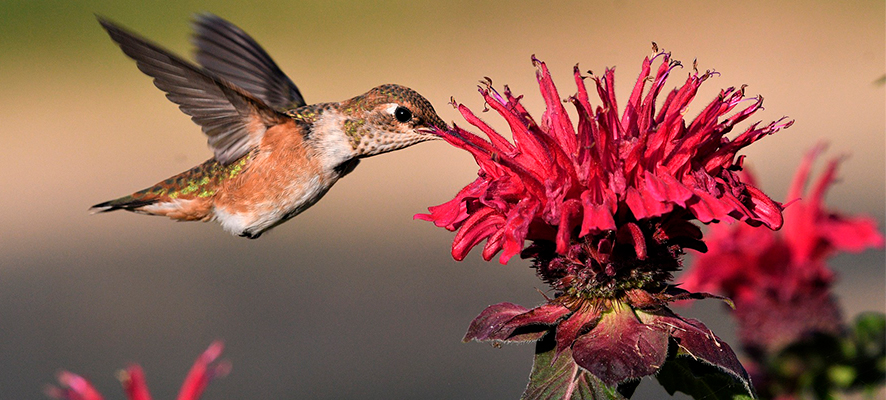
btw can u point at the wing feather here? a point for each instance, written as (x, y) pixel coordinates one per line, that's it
(229, 52)
(233, 119)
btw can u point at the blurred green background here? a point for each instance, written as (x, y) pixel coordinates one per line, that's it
(354, 299)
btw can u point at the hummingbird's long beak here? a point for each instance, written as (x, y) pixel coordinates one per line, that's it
(433, 133)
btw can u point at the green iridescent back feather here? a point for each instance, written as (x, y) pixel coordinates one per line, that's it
(201, 181)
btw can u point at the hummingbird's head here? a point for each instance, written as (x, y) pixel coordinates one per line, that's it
(387, 118)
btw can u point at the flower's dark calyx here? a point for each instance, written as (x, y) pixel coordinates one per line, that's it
(607, 265)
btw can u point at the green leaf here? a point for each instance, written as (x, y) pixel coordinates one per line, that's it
(563, 378)
(868, 340)
(841, 375)
(701, 380)
(870, 333)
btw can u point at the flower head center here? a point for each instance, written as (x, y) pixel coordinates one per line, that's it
(607, 265)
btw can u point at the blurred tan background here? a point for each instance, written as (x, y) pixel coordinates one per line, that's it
(354, 299)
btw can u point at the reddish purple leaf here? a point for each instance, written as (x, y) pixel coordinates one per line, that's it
(488, 325)
(579, 322)
(621, 348)
(697, 341)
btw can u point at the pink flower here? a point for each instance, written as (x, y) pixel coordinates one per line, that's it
(607, 205)
(75, 387)
(780, 282)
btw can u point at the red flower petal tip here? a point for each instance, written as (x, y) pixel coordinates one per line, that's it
(205, 369)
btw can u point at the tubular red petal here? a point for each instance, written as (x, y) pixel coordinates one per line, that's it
(814, 232)
(514, 104)
(500, 143)
(607, 114)
(723, 156)
(706, 207)
(526, 141)
(765, 209)
(75, 387)
(516, 228)
(569, 219)
(632, 234)
(630, 116)
(555, 116)
(479, 148)
(202, 373)
(816, 195)
(581, 97)
(635, 202)
(801, 177)
(134, 383)
(477, 227)
(494, 244)
(852, 234)
(682, 97)
(597, 217)
(742, 115)
(451, 215)
(586, 154)
(646, 206)
(669, 187)
(646, 112)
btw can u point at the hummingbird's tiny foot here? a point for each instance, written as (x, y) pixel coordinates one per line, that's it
(250, 235)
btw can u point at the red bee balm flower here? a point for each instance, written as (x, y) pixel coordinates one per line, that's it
(75, 387)
(781, 283)
(607, 205)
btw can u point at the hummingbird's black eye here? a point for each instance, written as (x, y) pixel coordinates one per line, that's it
(402, 114)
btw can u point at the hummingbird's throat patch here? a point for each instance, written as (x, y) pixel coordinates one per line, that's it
(353, 129)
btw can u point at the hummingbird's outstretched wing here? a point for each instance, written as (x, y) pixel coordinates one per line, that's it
(233, 119)
(228, 51)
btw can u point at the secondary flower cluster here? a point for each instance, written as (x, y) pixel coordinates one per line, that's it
(780, 282)
(205, 369)
(607, 205)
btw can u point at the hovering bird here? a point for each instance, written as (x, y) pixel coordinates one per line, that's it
(275, 156)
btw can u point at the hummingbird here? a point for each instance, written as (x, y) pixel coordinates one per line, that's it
(274, 155)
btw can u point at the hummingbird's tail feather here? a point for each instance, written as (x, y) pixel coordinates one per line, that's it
(128, 203)
(149, 202)
(187, 196)
(143, 202)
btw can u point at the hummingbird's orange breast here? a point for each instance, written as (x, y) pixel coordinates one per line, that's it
(281, 180)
